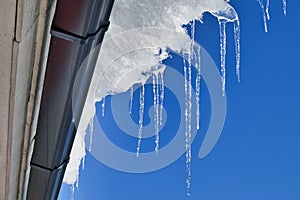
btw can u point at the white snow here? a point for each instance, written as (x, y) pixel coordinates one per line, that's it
(132, 48)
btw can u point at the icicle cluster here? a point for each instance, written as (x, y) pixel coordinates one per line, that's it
(168, 16)
(265, 11)
(158, 99)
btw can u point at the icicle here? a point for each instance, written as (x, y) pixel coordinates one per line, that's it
(72, 189)
(264, 14)
(193, 37)
(103, 107)
(83, 162)
(222, 25)
(198, 78)
(162, 96)
(77, 179)
(237, 48)
(131, 99)
(91, 133)
(141, 119)
(155, 82)
(267, 9)
(83, 158)
(284, 7)
(188, 117)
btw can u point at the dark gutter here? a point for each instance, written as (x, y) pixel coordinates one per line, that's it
(77, 31)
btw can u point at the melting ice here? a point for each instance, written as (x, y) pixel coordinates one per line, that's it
(125, 60)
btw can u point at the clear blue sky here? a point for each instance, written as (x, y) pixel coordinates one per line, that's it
(257, 156)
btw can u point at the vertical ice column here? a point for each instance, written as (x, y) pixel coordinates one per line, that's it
(222, 26)
(91, 133)
(264, 14)
(198, 78)
(267, 9)
(237, 48)
(162, 96)
(156, 99)
(141, 119)
(72, 189)
(103, 106)
(284, 6)
(188, 119)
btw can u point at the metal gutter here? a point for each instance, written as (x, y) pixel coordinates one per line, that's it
(78, 28)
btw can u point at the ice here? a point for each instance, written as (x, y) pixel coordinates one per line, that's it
(162, 96)
(131, 99)
(72, 189)
(141, 119)
(103, 107)
(261, 4)
(222, 26)
(130, 49)
(198, 78)
(91, 133)
(284, 7)
(155, 83)
(188, 117)
(267, 9)
(237, 48)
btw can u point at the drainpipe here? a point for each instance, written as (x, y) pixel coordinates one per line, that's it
(77, 31)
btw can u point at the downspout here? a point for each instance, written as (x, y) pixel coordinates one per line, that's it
(77, 31)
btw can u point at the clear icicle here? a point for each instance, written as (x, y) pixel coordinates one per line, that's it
(83, 158)
(155, 82)
(193, 37)
(72, 189)
(222, 25)
(91, 133)
(141, 119)
(188, 117)
(284, 7)
(103, 107)
(77, 180)
(198, 78)
(267, 9)
(162, 96)
(131, 99)
(264, 14)
(237, 48)
(83, 162)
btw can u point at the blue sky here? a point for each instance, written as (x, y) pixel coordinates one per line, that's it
(257, 155)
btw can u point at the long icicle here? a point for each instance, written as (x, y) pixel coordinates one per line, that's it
(156, 111)
(141, 119)
(237, 48)
(188, 107)
(196, 56)
(264, 14)
(198, 78)
(222, 25)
